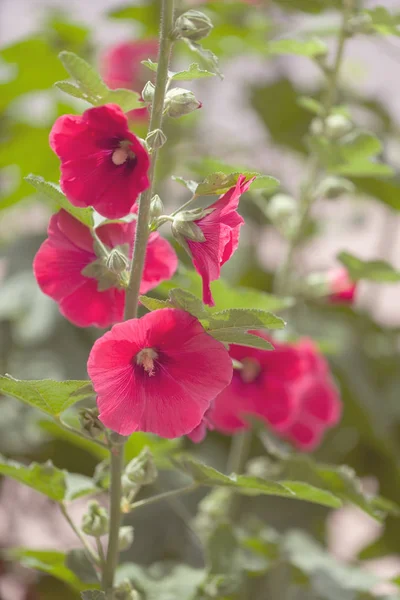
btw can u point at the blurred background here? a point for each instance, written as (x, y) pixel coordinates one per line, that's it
(250, 119)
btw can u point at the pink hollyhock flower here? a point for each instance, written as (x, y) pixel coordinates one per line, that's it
(103, 164)
(68, 270)
(121, 68)
(289, 387)
(220, 229)
(342, 289)
(158, 373)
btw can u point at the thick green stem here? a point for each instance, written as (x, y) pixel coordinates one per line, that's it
(117, 464)
(284, 276)
(132, 292)
(142, 227)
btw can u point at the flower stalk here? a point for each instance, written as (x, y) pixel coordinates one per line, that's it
(132, 292)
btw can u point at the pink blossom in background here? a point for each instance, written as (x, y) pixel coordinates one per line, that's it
(60, 264)
(103, 164)
(289, 387)
(121, 67)
(158, 373)
(221, 229)
(342, 289)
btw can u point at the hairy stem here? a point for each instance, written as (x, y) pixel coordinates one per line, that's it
(142, 227)
(283, 278)
(132, 292)
(117, 464)
(91, 554)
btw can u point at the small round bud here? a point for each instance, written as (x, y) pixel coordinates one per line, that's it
(125, 591)
(156, 207)
(281, 207)
(125, 538)
(90, 423)
(333, 187)
(361, 23)
(317, 126)
(95, 521)
(180, 102)
(187, 229)
(336, 126)
(148, 92)
(140, 471)
(156, 139)
(117, 262)
(192, 25)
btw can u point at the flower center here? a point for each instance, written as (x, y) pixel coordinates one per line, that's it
(251, 369)
(120, 156)
(146, 358)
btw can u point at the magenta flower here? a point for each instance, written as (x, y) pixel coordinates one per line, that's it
(103, 164)
(342, 289)
(221, 229)
(66, 269)
(157, 374)
(290, 388)
(121, 67)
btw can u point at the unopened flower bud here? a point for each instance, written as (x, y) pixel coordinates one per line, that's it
(125, 591)
(336, 126)
(281, 207)
(156, 207)
(89, 421)
(180, 102)
(117, 262)
(333, 187)
(187, 229)
(125, 538)
(156, 139)
(140, 471)
(361, 23)
(192, 25)
(95, 521)
(148, 92)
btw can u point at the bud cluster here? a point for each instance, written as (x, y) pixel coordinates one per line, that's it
(139, 472)
(95, 521)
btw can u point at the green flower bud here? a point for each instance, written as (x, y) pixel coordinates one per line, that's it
(180, 102)
(125, 538)
(336, 126)
(95, 521)
(187, 229)
(140, 471)
(281, 207)
(333, 187)
(148, 92)
(125, 591)
(156, 207)
(90, 423)
(156, 139)
(117, 262)
(192, 25)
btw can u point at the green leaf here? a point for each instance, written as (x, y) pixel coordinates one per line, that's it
(89, 81)
(312, 47)
(231, 325)
(383, 21)
(52, 397)
(225, 296)
(154, 303)
(45, 478)
(53, 193)
(150, 64)
(193, 72)
(126, 99)
(354, 155)
(78, 562)
(93, 595)
(186, 301)
(162, 581)
(373, 270)
(219, 183)
(162, 449)
(209, 57)
(310, 104)
(264, 182)
(47, 561)
(189, 184)
(254, 486)
(59, 433)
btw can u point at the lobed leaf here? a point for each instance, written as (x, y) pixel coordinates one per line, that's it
(53, 193)
(89, 81)
(126, 99)
(52, 397)
(193, 72)
(373, 270)
(238, 336)
(51, 562)
(78, 562)
(254, 486)
(383, 21)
